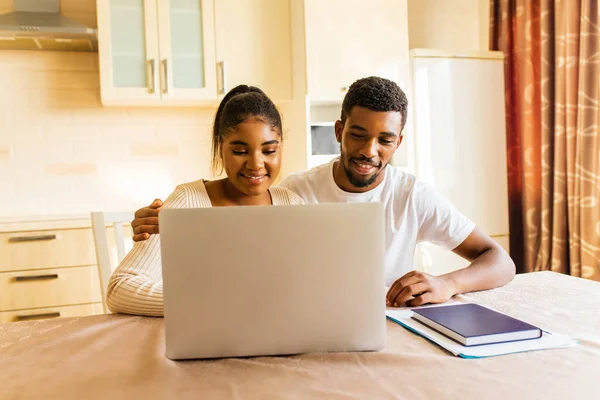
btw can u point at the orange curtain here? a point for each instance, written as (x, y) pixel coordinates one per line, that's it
(552, 70)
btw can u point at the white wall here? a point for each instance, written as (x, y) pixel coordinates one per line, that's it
(61, 152)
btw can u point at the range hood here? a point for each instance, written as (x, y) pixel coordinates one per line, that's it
(38, 25)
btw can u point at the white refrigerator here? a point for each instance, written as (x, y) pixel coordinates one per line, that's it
(460, 141)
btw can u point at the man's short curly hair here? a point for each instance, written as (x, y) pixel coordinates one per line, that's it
(377, 94)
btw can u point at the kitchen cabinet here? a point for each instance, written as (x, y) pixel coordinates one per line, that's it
(156, 52)
(351, 39)
(191, 52)
(253, 45)
(48, 268)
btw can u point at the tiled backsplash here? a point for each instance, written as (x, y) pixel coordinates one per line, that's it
(61, 152)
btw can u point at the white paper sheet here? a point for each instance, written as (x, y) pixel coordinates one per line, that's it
(549, 340)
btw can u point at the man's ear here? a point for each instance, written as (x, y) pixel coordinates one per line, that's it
(339, 128)
(400, 140)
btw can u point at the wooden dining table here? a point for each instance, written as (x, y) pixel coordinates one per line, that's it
(123, 357)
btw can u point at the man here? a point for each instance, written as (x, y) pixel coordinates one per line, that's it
(369, 131)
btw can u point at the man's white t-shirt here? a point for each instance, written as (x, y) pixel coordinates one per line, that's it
(415, 212)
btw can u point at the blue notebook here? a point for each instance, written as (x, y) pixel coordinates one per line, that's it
(472, 324)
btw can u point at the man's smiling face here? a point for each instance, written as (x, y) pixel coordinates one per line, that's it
(368, 140)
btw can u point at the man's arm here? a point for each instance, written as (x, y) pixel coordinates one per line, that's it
(490, 267)
(145, 222)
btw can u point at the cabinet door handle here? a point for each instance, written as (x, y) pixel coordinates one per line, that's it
(165, 69)
(223, 69)
(36, 238)
(152, 76)
(30, 278)
(37, 316)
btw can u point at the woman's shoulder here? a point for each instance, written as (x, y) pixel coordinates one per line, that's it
(283, 196)
(195, 186)
(194, 193)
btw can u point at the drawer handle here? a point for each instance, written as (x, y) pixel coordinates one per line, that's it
(37, 238)
(37, 316)
(36, 278)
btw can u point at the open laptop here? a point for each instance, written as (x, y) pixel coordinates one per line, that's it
(273, 280)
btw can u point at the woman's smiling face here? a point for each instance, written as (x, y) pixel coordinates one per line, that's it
(251, 156)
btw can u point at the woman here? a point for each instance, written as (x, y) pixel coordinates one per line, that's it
(246, 144)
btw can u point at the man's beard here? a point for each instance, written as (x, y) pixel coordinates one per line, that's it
(361, 183)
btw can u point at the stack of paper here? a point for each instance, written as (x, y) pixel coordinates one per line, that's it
(548, 340)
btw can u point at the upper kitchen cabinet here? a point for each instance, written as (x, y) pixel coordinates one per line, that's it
(191, 52)
(253, 45)
(186, 43)
(155, 52)
(351, 39)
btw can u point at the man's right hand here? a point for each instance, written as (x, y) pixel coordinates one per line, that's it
(145, 222)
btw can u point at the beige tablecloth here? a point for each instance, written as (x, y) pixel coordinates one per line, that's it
(116, 356)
